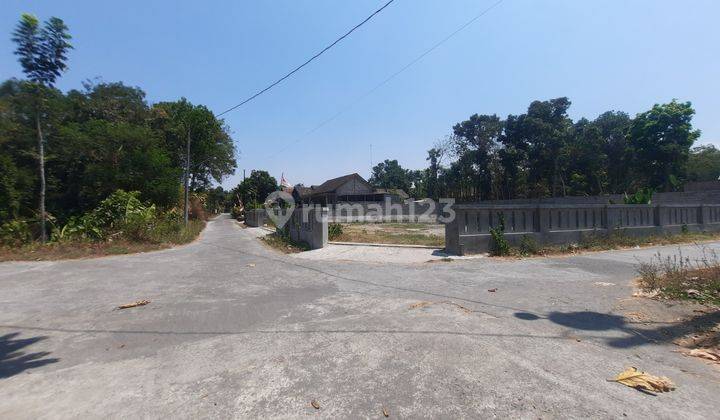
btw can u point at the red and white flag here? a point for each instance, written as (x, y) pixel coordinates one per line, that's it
(283, 182)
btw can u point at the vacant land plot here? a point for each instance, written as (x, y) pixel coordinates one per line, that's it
(393, 233)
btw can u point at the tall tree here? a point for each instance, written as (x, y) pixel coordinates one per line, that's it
(614, 127)
(704, 163)
(661, 139)
(43, 56)
(254, 189)
(476, 140)
(390, 175)
(197, 140)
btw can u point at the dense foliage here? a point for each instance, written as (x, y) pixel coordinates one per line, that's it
(544, 153)
(253, 190)
(100, 139)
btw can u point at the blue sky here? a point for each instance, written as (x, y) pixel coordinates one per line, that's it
(603, 55)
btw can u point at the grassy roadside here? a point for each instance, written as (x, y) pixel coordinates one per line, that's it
(64, 250)
(284, 244)
(680, 277)
(602, 242)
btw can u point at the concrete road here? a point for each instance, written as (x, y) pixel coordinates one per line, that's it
(235, 330)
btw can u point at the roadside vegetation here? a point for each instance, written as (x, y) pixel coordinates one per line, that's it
(120, 224)
(280, 241)
(98, 170)
(680, 277)
(598, 242)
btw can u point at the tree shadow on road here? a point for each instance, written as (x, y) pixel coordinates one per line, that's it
(596, 321)
(14, 361)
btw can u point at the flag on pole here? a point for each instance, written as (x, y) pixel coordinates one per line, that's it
(283, 181)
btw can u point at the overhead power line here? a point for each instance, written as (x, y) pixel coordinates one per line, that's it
(389, 78)
(296, 69)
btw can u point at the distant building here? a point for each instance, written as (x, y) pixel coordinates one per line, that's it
(350, 188)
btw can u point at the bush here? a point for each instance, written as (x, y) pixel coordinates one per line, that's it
(334, 231)
(641, 196)
(528, 246)
(236, 212)
(15, 233)
(499, 245)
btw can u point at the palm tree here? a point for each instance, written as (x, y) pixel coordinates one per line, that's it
(42, 55)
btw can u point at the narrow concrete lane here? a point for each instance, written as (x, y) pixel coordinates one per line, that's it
(236, 330)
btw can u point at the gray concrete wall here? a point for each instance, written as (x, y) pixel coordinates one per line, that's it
(256, 218)
(309, 225)
(688, 196)
(469, 232)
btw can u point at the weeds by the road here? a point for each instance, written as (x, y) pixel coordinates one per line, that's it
(603, 242)
(680, 277)
(284, 244)
(71, 249)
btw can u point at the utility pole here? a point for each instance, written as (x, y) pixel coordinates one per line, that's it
(187, 177)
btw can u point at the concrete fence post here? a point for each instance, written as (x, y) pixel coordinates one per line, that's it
(543, 218)
(703, 216)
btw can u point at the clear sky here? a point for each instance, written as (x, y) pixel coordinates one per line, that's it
(604, 55)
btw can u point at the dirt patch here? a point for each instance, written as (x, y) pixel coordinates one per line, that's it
(425, 304)
(393, 233)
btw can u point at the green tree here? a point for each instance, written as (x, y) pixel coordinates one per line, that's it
(661, 139)
(614, 127)
(704, 163)
(584, 161)
(390, 175)
(476, 141)
(254, 189)
(196, 140)
(43, 56)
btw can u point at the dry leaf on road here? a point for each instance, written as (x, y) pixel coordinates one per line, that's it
(709, 354)
(385, 412)
(644, 382)
(134, 304)
(315, 404)
(251, 265)
(493, 290)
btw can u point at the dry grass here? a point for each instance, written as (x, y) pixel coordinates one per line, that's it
(392, 233)
(615, 240)
(284, 244)
(679, 277)
(66, 250)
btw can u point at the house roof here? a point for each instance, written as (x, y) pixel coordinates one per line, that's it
(393, 191)
(302, 190)
(333, 184)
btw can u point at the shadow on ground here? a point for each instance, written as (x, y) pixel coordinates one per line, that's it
(596, 321)
(13, 360)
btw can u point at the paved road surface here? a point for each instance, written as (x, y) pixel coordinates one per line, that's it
(223, 338)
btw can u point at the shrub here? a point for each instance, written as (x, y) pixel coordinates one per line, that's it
(334, 230)
(499, 245)
(641, 196)
(15, 233)
(236, 212)
(528, 246)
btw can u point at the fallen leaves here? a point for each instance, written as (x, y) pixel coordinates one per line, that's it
(134, 304)
(712, 355)
(251, 265)
(315, 404)
(643, 381)
(493, 290)
(424, 304)
(418, 305)
(385, 412)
